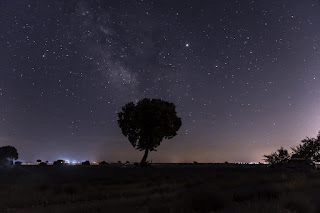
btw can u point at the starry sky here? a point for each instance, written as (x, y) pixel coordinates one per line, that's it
(244, 76)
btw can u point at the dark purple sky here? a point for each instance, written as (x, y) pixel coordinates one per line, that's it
(244, 76)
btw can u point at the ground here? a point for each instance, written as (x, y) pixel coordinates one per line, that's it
(167, 188)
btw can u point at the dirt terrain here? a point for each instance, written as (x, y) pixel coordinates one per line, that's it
(161, 188)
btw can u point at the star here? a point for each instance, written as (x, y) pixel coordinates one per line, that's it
(84, 60)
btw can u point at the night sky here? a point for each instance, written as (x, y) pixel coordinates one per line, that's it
(244, 76)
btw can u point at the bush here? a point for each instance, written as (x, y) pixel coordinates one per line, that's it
(103, 163)
(86, 163)
(17, 163)
(58, 163)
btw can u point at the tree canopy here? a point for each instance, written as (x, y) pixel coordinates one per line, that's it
(309, 149)
(8, 153)
(277, 157)
(148, 122)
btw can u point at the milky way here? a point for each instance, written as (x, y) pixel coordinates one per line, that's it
(244, 76)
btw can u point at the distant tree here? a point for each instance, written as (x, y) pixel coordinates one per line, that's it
(127, 162)
(8, 154)
(38, 161)
(119, 162)
(58, 163)
(279, 157)
(148, 123)
(86, 163)
(42, 164)
(195, 162)
(103, 163)
(309, 149)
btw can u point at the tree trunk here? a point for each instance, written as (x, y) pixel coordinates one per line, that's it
(144, 159)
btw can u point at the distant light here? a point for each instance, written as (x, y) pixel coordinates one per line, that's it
(187, 45)
(254, 163)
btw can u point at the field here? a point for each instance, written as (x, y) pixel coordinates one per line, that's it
(161, 188)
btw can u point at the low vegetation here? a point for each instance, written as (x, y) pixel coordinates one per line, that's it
(202, 188)
(151, 188)
(309, 149)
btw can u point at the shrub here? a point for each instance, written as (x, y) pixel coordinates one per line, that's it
(103, 163)
(17, 163)
(86, 163)
(58, 163)
(42, 164)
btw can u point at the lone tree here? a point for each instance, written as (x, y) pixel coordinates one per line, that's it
(148, 123)
(279, 157)
(8, 154)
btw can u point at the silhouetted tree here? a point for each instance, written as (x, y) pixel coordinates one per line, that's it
(8, 154)
(309, 149)
(103, 163)
(58, 163)
(147, 123)
(86, 163)
(42, 164)
(279, 157)
(38, 161)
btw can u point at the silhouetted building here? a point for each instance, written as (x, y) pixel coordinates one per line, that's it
(301, 163)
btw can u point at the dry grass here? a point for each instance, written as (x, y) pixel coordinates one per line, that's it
(96, 189)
